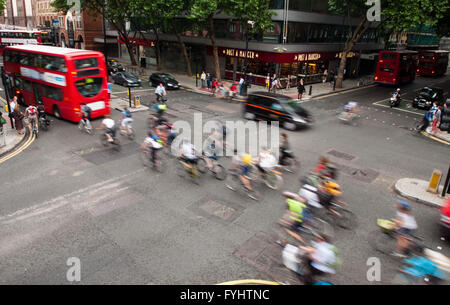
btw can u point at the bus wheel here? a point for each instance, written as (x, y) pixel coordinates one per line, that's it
(56, 112)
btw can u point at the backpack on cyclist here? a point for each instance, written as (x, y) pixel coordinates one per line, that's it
(127, 114)
(32, 111)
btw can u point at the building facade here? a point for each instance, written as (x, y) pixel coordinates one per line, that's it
(19, 14)
(305, 40)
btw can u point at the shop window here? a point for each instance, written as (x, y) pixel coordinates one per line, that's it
(276, 4)
(232, 27)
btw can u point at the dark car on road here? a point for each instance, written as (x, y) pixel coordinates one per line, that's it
(114, 66)
(276, 107)
(126, 79)
(427, 96)
(168, 81)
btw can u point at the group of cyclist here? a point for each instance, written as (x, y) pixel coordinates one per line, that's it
(34, 114)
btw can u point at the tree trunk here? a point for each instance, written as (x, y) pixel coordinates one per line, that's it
(183, 49)
(359, 31)
(157, 49)
(214, 46)
(130, 51)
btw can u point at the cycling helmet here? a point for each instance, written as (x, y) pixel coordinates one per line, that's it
(246, 159)
(405, 205)
(332, 188)
(398, 89)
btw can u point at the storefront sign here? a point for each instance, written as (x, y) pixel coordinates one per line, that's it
(139, 41)
(349, 55)
(307, 57)
(240, 53)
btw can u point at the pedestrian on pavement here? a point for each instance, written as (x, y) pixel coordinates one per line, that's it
(436, 120)
(300, 88)
(12, 106)
(209, 80)
(241, 83)
(288, 82)
(325, 75)
(18, 119)
(250, 80)
(214, 85)
(268, 82)
(203, 78)
(331, 79)
(426, 120)
(275, 83)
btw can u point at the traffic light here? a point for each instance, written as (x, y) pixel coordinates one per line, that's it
(445, 121)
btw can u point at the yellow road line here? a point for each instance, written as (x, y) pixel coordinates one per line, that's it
(341, 92)
(246, 282)
(434, 138)
(19, 150)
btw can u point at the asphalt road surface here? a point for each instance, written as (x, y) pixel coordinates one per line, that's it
(67, 196)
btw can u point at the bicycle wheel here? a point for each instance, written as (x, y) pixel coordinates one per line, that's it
(145, 158)
(233, 182)
(347, 220)
(131, 134)
(291, 165)
(220, 172)
(201, 165)
(273, 181)
(80, 125)
(382, 242)
(181, 170)
(116, 144)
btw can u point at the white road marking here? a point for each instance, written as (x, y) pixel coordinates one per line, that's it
(380, 105)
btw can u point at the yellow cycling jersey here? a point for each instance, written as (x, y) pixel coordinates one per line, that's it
(246, 159)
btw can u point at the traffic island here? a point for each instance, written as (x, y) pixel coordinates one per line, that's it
(443, 137)
(416, 189)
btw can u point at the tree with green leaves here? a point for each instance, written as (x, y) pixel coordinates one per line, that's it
(397, 15)
(2, 5)
(203, 11)
(119, 13)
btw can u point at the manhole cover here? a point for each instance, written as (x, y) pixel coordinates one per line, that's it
(341, 155)
(217, 209)
(362, 174)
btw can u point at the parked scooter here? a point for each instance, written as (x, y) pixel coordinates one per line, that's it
(395, 99)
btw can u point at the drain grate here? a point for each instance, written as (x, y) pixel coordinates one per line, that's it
(217, 209)
(341, 155)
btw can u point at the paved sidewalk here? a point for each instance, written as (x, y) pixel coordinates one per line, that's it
(316, 90)
(416, 189)
(443, 136)
(10, 138)
(119, 104)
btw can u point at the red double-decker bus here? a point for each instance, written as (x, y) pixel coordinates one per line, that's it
(22, 37)
(433, 63)
(396, 67)
(61, 78)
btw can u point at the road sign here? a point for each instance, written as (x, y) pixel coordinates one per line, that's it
(433, 186)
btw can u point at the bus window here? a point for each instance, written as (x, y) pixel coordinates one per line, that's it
(18, 82)
(52, 93)
(389, 56)
(89, 87)
(86, 63)
(27, 86)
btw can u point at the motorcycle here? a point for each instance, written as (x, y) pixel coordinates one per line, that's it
(395, 100)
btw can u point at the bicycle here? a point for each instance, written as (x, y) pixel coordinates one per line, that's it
(290, 163)
(184, 168)
(129, 132)
(146, 158)
(272, 178)
(235, 184)
(341, 216)
(44, 123)
(115, 143)
(86, 126)
(217, 169)
(34, 128)
(384, 239)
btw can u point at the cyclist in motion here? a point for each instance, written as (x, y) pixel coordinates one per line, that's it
(31, 113)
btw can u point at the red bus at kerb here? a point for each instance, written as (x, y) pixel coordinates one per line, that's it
(61, 78)
(433, 63)
(396, 67)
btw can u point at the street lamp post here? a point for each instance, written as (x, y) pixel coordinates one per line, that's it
(249, 23)
(104, 32)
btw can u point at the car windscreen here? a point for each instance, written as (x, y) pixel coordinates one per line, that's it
(426, 92)
(129, 76)
(294, 106)
(167, 77)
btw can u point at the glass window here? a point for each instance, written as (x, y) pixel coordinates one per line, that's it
(52, 63)
(27, 59)
(27, 86)
(53, 93)
(18, 82)
(389, 56)
(276, 4)
(86, 63)
(297, 32)
(89, 87)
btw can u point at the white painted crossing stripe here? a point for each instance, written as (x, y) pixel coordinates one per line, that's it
(404, 110)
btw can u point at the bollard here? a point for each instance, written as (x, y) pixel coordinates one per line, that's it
(310, 90)
(446, 188)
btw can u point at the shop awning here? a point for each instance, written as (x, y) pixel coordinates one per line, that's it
(108, 40)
